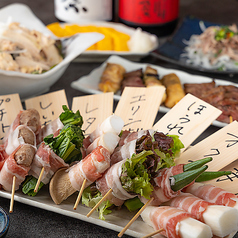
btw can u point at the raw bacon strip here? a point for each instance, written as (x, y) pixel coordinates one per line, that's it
(222, 220)
(162, 191)
(191, 204)
(175, 223)
(48, 129)
(45, 157)
(108, 140)
(123, 152)
(15, 166)
(127, 145)
(3, 155)
(167, 218)
(29, 117)
(90, 168)
(212, 194)
(111, 180)
(129, 136)
(113, 124)
(21, 135)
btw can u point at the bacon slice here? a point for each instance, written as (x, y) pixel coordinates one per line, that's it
(48, 129)
(29, 117)
(113, 124)
(212, 194)
(90, 168)
(11, 168)
(15, 138)
(165, 217)
(191, 204)
(108, 140)
(162, 191)
(111, 180)
(45, 157)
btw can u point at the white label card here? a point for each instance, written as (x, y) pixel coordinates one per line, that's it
(94, 109)
(48, 105)
(138, 106)
(222, 146)
(187, 119)
(10, 106)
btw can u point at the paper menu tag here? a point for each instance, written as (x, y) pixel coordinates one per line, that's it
(138, 106)
(222, 146)
(48, 105)
(227, 182)
(188, 119)
(10, 106)
(94, 109)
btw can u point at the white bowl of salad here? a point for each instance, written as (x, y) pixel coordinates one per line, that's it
(31, 58)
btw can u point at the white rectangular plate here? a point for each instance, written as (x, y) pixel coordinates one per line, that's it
(116, 221)
(89, 83)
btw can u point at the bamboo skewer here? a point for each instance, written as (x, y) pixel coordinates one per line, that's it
(153, 233)
(13, 193)
(39, 180)
(99, 203)
(135, 217)
(80, 194)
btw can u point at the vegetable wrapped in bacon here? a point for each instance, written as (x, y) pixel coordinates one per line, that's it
(17, 164)
(175, 222)
(90, 168)
(213, 194)
(222, 220)
(112, 124)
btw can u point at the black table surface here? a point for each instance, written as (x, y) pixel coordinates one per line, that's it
(28, 221)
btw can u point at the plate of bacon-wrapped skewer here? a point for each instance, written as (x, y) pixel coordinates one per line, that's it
(111, 174)
(117, 73)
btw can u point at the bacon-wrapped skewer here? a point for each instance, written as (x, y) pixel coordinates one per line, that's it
(66, 117)
(69, 181)
(29, 117)
(175, 223)
(55, 152)
(112, 124)
(17, 164)
(213, 194)
(222, 220)
(170, 181)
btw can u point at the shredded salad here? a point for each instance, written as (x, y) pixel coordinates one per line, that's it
(216, 48)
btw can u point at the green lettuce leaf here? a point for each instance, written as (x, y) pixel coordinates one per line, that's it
(91, 197)
(178, 145)
(134, 177)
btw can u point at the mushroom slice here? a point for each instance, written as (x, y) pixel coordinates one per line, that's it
(60, 186)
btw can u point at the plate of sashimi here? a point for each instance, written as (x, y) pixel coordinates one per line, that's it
(108, 176)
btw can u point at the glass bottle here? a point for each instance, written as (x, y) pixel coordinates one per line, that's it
(156, 16)
(81, 10)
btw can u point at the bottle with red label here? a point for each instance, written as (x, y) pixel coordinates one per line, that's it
(156, 16)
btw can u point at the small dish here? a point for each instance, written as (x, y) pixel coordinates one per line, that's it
(172, 49)
(4, 222)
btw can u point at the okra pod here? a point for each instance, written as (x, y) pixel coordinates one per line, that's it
(179, 181)
(209, 175)
(196, 164)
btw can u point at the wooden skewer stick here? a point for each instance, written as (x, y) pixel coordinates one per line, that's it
(39, 180)
(80, 194)
(153, 233)
(231, 119)
(13, 193)
(98, 204)
(135, 217)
